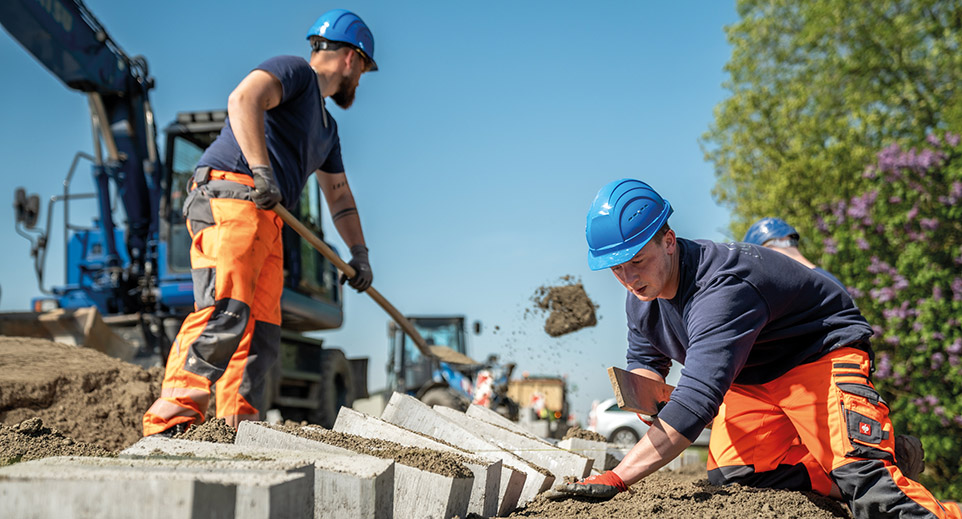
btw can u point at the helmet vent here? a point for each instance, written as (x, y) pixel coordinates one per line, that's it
(632, 217)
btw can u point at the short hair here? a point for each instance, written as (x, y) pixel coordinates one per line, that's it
(661, 232)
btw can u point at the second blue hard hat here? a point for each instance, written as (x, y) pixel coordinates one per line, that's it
(346, 27)
(624, 216)
(769, 229)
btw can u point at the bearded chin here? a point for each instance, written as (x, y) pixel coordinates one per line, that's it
(344, 97)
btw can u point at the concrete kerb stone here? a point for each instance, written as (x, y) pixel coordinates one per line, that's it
(593, 450)
(341, 482)
(520, 481)
(559, 462)
(489, 416)
(67, 487)
(371, 496)
(414, 492)
(487, 471)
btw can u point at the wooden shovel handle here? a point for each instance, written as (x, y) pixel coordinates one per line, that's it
(348, 271)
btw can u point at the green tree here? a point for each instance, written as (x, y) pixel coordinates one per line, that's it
(898, 246)
(816, 88)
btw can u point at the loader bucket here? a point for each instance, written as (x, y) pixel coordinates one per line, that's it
(76, 327)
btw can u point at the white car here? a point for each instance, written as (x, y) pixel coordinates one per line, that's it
(624, 428)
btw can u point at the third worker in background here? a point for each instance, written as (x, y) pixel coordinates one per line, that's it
(778, 235)
(278, 133)
(776, 357)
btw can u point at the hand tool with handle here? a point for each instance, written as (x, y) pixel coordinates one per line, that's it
(348, 271)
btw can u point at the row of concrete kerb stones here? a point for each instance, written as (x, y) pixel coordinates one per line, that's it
(485, 465)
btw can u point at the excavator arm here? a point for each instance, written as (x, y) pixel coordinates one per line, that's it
(71, 43)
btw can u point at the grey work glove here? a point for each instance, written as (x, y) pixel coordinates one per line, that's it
(362, 269)
(266, 192)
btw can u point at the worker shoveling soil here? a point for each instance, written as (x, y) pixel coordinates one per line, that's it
(568, 306)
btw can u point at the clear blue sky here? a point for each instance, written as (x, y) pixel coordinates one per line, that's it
(473, 153)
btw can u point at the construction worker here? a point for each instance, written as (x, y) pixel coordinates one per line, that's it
(776, 234)
(775, 356)
(277, 134)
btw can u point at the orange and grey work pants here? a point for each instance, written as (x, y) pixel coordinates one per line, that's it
(820, 423)
(233, 335)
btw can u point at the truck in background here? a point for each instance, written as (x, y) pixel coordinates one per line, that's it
(544, 404)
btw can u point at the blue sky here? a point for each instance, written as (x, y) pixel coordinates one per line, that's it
(473, 153)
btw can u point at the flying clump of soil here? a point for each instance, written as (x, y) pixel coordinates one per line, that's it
(568, 306)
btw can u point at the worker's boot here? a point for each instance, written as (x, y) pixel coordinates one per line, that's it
(909, 456)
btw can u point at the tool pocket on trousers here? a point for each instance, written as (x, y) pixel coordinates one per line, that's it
(203, 263)
(865, 414)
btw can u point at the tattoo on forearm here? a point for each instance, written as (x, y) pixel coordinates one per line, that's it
(344, 212)
(338, 185)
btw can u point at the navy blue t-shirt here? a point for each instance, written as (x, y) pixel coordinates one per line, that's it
(743, 314)
(298, 141)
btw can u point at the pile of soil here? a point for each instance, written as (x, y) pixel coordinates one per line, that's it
(443, 463)
(568, 305)
(686, 493)
(213, 431)
(87, 396)
(30, 440)
(584, 434)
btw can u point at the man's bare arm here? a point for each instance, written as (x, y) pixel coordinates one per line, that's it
(258, 92)
(343, 209)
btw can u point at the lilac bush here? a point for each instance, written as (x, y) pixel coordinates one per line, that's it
(898, 247)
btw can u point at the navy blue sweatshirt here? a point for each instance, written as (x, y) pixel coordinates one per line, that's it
(742, 314)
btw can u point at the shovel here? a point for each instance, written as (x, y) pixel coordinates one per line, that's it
(348, 271)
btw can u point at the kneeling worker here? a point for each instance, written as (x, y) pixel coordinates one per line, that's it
(776, 354)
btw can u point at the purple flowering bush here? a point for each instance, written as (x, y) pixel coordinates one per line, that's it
(898, 247)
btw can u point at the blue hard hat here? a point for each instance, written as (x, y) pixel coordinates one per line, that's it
(769, 229)
(346, 27)
(624, 216)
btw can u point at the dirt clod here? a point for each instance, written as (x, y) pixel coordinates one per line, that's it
(568, 306)
(214, 431)
(584, 434)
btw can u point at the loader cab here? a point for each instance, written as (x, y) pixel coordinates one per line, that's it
(408, 370)
(312, 295)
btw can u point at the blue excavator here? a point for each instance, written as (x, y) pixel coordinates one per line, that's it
(127, 284)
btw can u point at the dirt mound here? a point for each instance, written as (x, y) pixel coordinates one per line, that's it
(30, 440)
(670, 494)
(584, 434)
(568, 305)
(87, 396)
(213, 431)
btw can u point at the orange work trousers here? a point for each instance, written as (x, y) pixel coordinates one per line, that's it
(232, 337)
(820, 423)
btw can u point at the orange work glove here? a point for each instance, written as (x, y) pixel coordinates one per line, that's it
(601, 486)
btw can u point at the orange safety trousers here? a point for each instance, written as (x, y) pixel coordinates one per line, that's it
(820, 423)
(232, 337)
